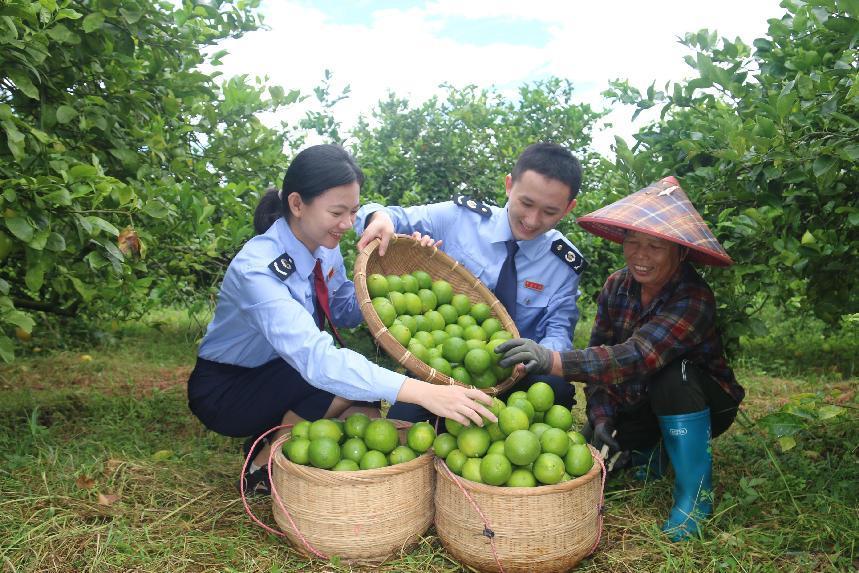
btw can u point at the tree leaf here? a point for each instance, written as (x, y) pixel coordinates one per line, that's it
(100, 223)
(7, 349)
(23, 83)
(829, 411)
(21, 228)
(107, 499)
(786, 443)
(66, 113)
(93, 22)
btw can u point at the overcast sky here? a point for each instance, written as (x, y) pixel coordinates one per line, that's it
(411, 47)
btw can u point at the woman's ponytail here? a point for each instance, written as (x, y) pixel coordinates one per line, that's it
(267, 212)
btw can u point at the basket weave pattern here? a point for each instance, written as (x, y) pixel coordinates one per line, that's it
(363, 517)
(405, 255)
(546, 529)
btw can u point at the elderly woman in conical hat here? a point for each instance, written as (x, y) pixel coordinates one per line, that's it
(655, 373)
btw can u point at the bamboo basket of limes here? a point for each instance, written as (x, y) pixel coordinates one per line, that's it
(432, 316)
(363, 514)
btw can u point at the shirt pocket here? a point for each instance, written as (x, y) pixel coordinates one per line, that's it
(475, 265)
(531, 309)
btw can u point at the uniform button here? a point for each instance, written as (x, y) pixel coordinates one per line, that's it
(527, 301)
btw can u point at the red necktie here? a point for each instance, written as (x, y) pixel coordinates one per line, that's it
(321, 290)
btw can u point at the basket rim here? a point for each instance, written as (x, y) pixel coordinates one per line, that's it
(286, 464)
(562, 487)
(384, 339)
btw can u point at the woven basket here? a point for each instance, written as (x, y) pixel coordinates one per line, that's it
(363, 517)
(405, 255)
(542, 529)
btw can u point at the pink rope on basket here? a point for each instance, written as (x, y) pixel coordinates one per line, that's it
(274, 446)
(487, 527)
(601, 505)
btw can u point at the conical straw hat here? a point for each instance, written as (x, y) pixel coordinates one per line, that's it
(663, 210)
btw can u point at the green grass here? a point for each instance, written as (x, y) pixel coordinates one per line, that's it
(73, 429)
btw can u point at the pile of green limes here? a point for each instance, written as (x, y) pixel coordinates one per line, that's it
(531, 444)
(441, 328)
(358, 443)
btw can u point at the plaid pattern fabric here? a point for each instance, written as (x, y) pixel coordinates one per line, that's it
(662, 209)
(628, 343)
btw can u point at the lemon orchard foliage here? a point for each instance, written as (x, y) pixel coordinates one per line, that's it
(127, 174)
(766, 141)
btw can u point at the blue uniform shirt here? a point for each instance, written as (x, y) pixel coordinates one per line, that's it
(265, 310)
(474, 235)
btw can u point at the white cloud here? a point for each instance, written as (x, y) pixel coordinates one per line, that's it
(406, 51)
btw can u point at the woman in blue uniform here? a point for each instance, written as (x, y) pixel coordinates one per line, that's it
(266, 359)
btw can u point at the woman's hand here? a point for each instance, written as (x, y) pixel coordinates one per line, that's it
(537, 359)
(464, 405)
(425, 240)
(380, 227)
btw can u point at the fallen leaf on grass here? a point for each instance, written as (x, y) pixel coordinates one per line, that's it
(107, 499)
(84, 482)
(112, 464)
(162, 455)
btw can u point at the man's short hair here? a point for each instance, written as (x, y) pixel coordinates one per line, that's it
(553, 161)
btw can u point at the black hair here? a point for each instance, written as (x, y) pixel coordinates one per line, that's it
(311, 173)
(552, 161)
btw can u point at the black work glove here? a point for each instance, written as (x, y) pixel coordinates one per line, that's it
(537, 359)
(602, 435)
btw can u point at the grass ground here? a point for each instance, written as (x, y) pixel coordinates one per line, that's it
(102, 468)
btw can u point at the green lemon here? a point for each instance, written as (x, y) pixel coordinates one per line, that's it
(453, 427)
(466, 320)
(521, 478)
(423, 278)
(325, 428)
(420, 437)
(402, 454)
(421, 323)
(377, 285)
(441, 365)
(454, 330)
(439, 336)
(443, 291)
(353, 449)
(578, 460)
(485, 379)
(324, 453)
(413, 303)
(548, 468)
(454, 349)
(386, 311)
(346, 466)
(541, 396)
(471, 470)
(461, 303)
(501, 335)
(495, 469)
(409, 322)
(373, 459)
(495, 432)
(555, 441)
(435, 320)
(496, 447)
(301, 429)
(356, 425)
(428, 300)
(398, 299)
(512, 419)
(443, 445)
(480, 312)
(490, 346)
(473, 343)
(559, 417)
(455, 460)
(297, 450)
(448, 312)
(473, 441)
(410, 284)
(477, 361)
(395, 283)
(524, 405)
(461, 374)
(539, 428)
(425, 338)
(401, 333)
(521, 447)
(381, 435)
(576, 437)
(474, 332)
(491, 325)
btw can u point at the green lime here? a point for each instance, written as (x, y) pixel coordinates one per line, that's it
(449, 313)
(523, 405)
(435, 320)
(443, 291)
(461, 303)
(521, 478)
(421, 323)
(548, 468)
(495, 433)
(522, 447)
(480, 312)
(559, 417)
(472, 344)
(439, 336)
(325, 428)
(386, 311)
(353, 449)
(356, 424)
(466, 320)
(485, 379)
(401, 333)
(541, 396)
(538, 428)
(425, 338)
(381, 435)
(413, 303)
(420, 437)
(424, 280)
(471, 470)
(495, 469)
(324, 453)
(443, 445)
(453, 427)
(496, 447)
(410, 284)
(474, 332)
(401, 454)
(395, 283)
(477, 361)
(454, 349)
(428, 300)
(454, 330)
(373, 459)
(301, 429)
(419, 350)
(398, 299)
(432, 353)
(501, 335)
(578, 460)
(460, 374)
(555, 441)
(377, 285)
(473, 441)
(409, 322)
(576, 437)
(455, 460)
(297, 450)
(512, 419)
(346, 466)
(491, 325)
(516, 395)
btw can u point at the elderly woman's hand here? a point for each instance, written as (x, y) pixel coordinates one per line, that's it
(537, 359)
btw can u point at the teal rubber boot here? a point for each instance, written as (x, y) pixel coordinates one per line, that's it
(650, 464)
(686, 438)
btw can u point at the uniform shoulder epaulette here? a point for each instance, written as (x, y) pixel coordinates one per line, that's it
(570, 256)
(472, 205)
(283, 266)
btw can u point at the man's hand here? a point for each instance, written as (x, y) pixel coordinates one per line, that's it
(602, 436)
(380, 227)
(537, 359)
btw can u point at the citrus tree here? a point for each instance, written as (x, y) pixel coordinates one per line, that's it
(128, 168)
(765, 139)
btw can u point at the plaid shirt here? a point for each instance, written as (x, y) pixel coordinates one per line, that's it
(628, 344)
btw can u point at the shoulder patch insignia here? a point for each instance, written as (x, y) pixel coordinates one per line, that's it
(569, 255)
(472, 205)
(283, 266)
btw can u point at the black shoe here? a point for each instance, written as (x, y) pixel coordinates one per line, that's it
(256, 483)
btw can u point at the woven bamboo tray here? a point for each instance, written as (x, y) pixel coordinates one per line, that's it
(544, 529)
(363, 517)
(405, 255)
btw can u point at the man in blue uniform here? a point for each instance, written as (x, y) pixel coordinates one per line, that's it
(514, 250)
